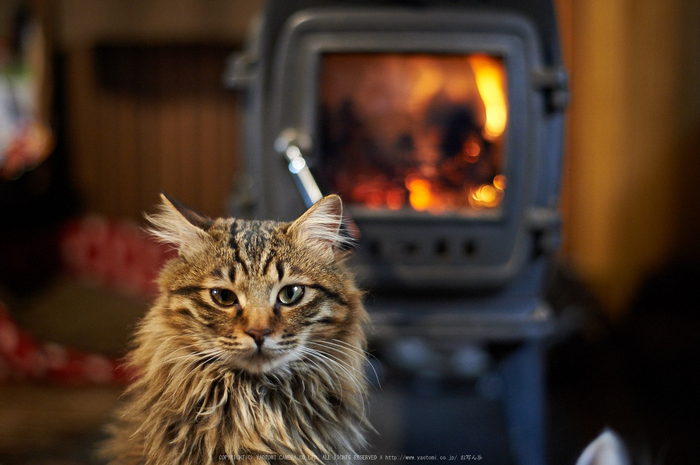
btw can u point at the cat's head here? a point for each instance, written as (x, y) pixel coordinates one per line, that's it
(257, 295)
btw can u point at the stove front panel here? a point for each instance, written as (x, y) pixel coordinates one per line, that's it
(429, 128)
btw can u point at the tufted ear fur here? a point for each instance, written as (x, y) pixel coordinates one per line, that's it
(176, 224)
(319, 227)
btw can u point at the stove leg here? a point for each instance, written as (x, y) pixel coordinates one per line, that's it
(524, 403)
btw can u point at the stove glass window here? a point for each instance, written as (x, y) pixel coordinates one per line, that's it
(413, 131)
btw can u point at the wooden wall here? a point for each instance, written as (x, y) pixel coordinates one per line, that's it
(631, 149)
(146, 109)
(145, 119)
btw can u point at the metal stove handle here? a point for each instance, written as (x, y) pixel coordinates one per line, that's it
(290, 143)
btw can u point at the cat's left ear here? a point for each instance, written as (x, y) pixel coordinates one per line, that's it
(319, 227)
(179, 225)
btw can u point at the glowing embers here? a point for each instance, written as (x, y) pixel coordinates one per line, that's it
(425, 195)
(423, 132)
(420, 194)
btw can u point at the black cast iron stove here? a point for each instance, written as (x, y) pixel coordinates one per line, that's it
(440, 123)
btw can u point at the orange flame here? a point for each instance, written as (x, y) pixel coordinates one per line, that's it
(490, 79)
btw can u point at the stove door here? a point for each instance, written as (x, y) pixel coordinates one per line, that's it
(428, 127)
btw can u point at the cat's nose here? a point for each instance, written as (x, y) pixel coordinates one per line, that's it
(258, 334)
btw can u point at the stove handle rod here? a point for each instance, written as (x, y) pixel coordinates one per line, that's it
(299, 169)
(288, 144)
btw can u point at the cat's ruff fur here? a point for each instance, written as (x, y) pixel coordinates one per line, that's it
(208, 392)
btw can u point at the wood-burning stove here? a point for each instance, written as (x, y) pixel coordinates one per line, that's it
(440, 123)
(489, 222)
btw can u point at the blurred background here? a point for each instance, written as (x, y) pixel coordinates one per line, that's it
(123, 99)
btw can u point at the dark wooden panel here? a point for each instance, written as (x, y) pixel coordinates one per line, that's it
(145, 119)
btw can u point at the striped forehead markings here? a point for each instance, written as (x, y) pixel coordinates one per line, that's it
(240, 261)
(280, 270)
(254, 245)
(228, 272)
(271, 255)
(232, 231)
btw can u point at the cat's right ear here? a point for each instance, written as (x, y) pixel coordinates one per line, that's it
(180, 226)
(320, 227)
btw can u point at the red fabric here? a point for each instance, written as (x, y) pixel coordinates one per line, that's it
(114, 254)
(24, 358)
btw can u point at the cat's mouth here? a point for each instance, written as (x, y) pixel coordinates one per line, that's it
(258, 359)
(261, 359)
(264, 359)
(260, 355)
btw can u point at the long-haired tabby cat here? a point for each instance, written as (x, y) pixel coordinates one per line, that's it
(253, 351)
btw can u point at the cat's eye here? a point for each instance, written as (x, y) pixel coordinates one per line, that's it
(289, 295)
(223, 297)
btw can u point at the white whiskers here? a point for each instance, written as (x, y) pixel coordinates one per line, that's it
(341, 346)
(338, 367)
